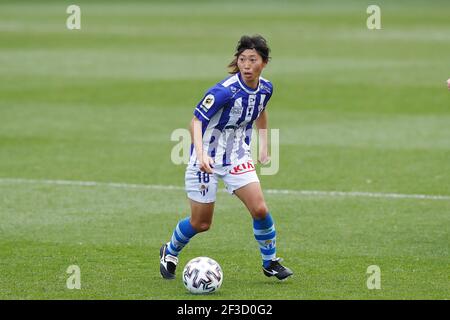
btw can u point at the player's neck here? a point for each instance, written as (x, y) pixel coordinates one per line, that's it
(252, 84)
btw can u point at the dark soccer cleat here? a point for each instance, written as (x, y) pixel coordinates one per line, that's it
(167, 263)
(277, 270)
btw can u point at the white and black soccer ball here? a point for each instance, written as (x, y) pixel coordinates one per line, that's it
(202, 275)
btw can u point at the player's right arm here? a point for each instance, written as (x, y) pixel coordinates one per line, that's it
(214, 100)
(205, 162)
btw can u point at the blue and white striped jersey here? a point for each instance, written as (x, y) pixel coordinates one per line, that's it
(227, 112)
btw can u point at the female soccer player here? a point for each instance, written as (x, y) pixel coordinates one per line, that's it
(221, 132)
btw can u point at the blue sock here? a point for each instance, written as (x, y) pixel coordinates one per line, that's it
(265, 235)
(181, 236)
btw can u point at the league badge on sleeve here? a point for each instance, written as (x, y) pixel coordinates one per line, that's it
(208, 101)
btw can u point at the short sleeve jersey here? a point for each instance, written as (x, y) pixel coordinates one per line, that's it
(227, 112)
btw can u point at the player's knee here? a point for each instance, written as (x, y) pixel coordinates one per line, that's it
(260, 211)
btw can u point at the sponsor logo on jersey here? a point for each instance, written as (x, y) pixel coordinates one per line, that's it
(237, 110)
(243, 168)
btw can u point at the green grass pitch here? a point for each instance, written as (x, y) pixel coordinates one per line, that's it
(358, 111)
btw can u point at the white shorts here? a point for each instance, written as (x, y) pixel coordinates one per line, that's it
(202, 186)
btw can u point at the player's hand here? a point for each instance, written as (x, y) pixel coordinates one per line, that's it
(206, 163)
(263, 158)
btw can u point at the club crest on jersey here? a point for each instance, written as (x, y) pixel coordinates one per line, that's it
(208, 101)
(203, 190)
(243, 168)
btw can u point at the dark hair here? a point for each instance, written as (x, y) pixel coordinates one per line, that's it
(256, 42)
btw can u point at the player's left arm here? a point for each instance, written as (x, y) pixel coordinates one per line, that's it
(262, 126)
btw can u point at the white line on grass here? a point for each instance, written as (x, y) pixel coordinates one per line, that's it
(270, 191)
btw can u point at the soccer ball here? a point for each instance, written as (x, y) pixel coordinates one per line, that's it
(202, 275)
